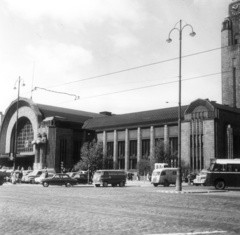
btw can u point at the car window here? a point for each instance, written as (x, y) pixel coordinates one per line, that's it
(57, 176)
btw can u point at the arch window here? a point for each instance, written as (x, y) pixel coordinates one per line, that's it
(24, 136)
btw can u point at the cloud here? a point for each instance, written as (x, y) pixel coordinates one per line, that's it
(121, 41)
(58, 57)
(86, 11)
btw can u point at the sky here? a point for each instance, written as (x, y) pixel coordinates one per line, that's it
(110, 55)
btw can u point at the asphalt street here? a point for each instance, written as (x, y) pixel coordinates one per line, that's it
(138, 208)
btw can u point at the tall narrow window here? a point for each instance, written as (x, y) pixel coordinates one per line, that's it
(109, 160)
(133, 154)
(146, 148)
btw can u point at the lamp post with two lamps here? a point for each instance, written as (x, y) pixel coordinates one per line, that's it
(180, 29)
(18, 82)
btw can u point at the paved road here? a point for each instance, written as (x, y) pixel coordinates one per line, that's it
(33, 209)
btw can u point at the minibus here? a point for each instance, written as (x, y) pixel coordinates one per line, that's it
(223, 173)
(106, 177)
(164, 176)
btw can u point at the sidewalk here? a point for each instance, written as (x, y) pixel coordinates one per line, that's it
(185, 188)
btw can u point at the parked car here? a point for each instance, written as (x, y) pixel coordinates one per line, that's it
(113, 177)
(164, 176)
(3, 176)
(82, 178)
(44, 175)
(59, 179)
(30, 178)
(192, 176)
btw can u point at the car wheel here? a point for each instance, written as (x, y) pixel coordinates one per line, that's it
(121, 184)
(97, 185)
(220, 184)
(155, 185)
(68, 184)
(105, 184)
(45, 184)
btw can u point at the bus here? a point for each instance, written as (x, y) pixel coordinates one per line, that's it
(160, 165)
(223, 173)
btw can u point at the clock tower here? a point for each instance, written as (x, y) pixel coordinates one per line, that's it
(231, 56)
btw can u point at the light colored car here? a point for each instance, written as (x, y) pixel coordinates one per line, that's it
(44, 175)
(30, 178)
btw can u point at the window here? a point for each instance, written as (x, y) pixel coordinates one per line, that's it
(133, 148)
(173, 141)
(121, 149)
(145, 148)
(133, 154)
(109, 149)
(236, 39)
(24, 136)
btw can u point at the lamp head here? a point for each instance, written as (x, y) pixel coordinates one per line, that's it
(169, 40)
(192, 34)
(23, 84)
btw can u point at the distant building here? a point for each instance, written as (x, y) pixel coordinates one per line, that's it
(49, 136)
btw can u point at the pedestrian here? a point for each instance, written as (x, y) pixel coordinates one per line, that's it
(138, 177)
(148, 176)
(14, 177)
(20, 175)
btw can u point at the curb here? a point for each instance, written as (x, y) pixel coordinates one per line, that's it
(192, 192)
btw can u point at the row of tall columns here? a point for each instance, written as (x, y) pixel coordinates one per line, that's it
(127, 144)
(196, 134)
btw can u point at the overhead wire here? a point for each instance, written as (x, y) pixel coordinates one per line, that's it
(134, 68)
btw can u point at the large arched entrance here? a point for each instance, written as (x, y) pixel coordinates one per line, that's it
(25, 136)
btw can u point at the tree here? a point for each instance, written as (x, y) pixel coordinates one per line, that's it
(91, 157)
(163, 154)
(144, 166)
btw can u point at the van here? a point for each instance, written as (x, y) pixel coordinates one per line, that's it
(164, 176)
(113, 177)
(30, 178)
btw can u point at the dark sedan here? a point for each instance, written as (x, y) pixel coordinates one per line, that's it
(82, 178)
(59, 179)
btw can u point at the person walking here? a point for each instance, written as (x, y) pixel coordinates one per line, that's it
(14, 177)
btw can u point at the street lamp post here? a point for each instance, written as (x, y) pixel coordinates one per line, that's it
(180, 29)
(16, 126)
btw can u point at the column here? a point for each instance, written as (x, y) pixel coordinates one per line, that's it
(230, 141)
(192, 153)
(115, 150)
(152, 142)
(126, 150)
(104, 145)
(197, 145)
(139, 144)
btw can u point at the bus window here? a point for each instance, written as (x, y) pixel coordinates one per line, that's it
(230, 168)
(220, 167)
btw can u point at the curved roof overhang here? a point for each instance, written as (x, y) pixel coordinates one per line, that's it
(9, 119)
